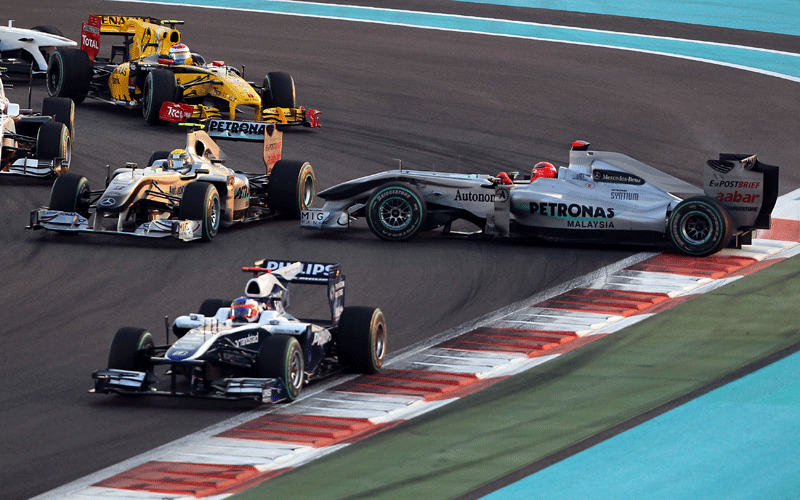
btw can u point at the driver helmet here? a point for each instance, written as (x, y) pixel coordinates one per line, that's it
(179, 158)
(544, 169)
(244, 310)
(180, 53)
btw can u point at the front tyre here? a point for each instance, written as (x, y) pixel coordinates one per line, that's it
(699, 226)
(291, 188)
(201, 202)
(280, 356)
(396, 212)
(279, 91)
(362, 338)
(53, 141)
(68, 74)
(130, 350)
(70, 193)
(160, 86)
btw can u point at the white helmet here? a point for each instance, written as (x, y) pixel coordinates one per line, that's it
(180, 53)
(244, 310)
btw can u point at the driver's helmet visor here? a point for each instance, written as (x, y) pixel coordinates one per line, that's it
(243, 312)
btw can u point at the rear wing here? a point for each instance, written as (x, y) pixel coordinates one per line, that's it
(312, 273)
(746, 187)
(152, 35)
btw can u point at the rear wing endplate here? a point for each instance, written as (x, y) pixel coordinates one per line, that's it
(313, 273)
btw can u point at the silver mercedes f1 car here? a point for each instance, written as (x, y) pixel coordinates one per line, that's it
(599, 197)
(250, 348)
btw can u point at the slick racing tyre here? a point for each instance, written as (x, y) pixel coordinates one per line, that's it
(70, 193)
(50, 30)
(699, 226)
(281, 356)
(157, 155)
(68, 74)
(278, 91)
(396, 211)
(291, 188)
(208, 308)
(53, 141)
(201, 202)
(130, 350)
(159, 87)
(62, 110)
(362, 338)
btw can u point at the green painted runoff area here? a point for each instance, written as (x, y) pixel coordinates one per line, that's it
(596, 390)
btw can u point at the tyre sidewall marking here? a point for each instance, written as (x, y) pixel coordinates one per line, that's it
(705, 210)
(404, 195)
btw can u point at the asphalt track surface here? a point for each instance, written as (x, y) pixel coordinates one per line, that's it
(448, 101)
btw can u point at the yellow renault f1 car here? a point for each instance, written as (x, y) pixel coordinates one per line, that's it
(153, 70)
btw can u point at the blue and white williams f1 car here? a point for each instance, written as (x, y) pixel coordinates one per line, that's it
(250, 348)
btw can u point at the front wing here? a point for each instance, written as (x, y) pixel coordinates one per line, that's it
(71, 222)
(40, 169)
(128, 382)
(237, 129)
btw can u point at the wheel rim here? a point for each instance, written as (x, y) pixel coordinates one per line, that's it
(146, 97)
(308, 192)
(696, 228)
(213, 215)
(53, 79)
(67, 152)
(380, 342)
(295, 374)
(395, 213)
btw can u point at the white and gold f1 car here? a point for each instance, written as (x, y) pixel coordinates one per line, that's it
(250, 348)
(599, 197)
(188, 194)
(151, 69)
(36, 144)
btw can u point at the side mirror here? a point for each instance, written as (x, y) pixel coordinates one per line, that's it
(12, 109)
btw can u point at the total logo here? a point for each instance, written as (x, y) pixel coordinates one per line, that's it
(90, 42)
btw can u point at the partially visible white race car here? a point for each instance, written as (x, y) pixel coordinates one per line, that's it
(32, 46)
(36, 144)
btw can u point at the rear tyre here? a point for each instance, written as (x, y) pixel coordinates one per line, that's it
(62, 110)
(68, 74)
(130, 350)
(699, 226)
(279, 91)
(362, 338)
(157, 155)
(280, 356)
(396, 212)
(53, 141)
(291, 188)
(50, 30)
(201, 202)
(159, 87)
(70, 193)
(208, 308)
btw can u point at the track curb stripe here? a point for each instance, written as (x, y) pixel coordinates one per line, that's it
(516, 339)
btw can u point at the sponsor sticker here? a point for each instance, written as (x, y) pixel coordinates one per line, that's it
(90, 37)
(617, 177)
